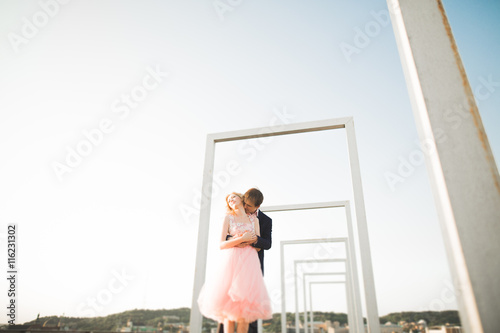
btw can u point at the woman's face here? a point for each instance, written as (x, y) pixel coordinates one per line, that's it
(233, 200)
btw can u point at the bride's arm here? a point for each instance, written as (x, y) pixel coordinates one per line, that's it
(233, 241)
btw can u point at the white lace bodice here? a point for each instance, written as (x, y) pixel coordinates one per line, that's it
(239, 228)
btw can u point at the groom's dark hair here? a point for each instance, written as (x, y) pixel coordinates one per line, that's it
(255, 196)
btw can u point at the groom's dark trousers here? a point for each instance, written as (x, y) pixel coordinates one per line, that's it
(264, 243)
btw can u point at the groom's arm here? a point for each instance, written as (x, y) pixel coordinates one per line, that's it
(264, 241)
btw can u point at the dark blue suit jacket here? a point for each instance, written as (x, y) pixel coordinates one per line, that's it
(264, 241)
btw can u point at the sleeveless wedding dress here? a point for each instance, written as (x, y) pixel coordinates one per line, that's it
(237, 290)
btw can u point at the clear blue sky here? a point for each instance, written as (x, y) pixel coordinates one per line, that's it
(116, 229)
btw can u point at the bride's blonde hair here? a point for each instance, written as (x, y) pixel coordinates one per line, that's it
(229, 209)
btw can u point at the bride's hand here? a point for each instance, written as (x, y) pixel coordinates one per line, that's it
(247, 236)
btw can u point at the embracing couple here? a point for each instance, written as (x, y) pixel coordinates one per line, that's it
(237, 294)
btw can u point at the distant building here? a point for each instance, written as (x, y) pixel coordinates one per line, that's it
(127, 328)
(390, 328)
(422, 323)
(131, 328)
(172, 318)
(444, 329)
(34, 328)
(420, 326)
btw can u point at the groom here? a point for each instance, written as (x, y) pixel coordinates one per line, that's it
(252, 200)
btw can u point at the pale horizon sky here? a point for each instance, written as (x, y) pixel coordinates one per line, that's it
(117, 229)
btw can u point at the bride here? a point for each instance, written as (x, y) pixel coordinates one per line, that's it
(236, 293)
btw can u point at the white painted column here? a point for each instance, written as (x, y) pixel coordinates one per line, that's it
(296, 298)
(306, 329)
(364, 241)
(351, 313)
(352, 268)
(202, 247)
(283, 294)
(311, 308)
(463, 174)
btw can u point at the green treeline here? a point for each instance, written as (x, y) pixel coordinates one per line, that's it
(152, 318)
(167, 319)
(431, 317)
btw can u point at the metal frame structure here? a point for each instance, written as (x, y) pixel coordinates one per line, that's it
(350, 302)
(297, 315)
(294, 128)
(350, 250)
(353, 313)
(310, 297)
(282, 264)
(354, 309)
(461, 167)
(349, 296)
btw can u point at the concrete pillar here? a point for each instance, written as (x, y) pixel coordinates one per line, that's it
(463, 174)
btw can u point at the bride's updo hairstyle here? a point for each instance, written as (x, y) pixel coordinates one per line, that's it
(229, 209)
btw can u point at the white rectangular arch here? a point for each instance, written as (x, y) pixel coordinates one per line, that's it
(282, 272)
(310, 297)
(353, 285)
(350, 248)
(346, 123)
(353, 310)
(352, 314)
(350, 301)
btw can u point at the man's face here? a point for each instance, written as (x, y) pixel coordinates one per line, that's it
(250, 208)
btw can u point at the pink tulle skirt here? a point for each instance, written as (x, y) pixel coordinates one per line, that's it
(237, 290)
